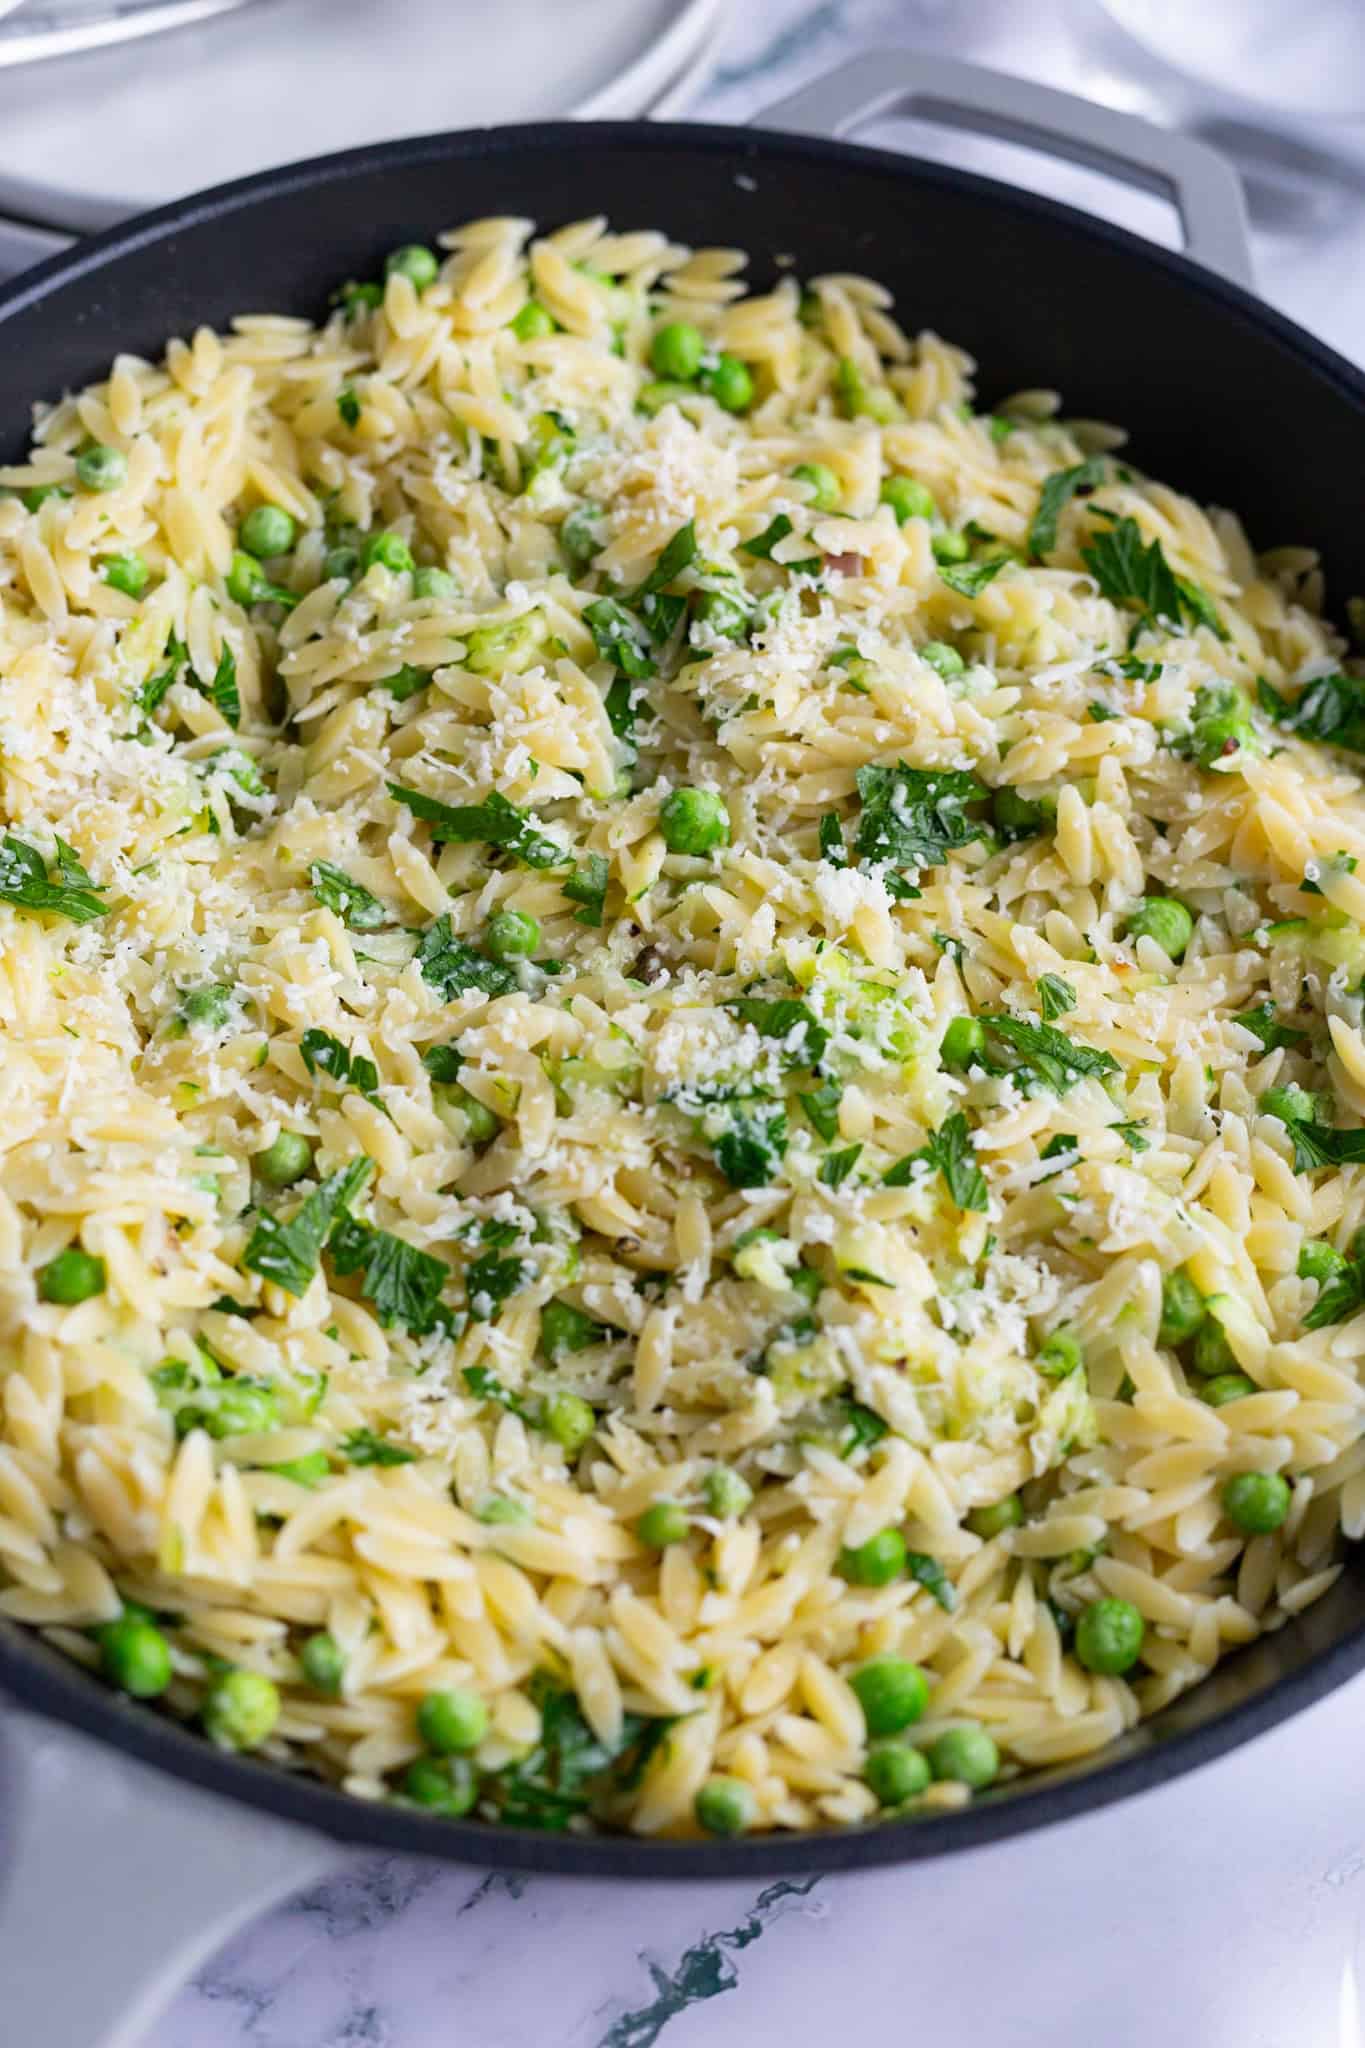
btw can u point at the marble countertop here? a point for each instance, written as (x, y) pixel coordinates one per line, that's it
(1223, 1912)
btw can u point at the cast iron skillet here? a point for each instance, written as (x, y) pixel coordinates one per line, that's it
(1222, 397)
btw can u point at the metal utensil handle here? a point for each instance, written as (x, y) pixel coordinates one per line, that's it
(116, 1883)
(1205, 189)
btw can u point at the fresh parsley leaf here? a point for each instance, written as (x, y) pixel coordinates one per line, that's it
(403, 1282)
(483, 1383)
(662, 615)
(323, 1054)
(620, 638)
(348, 405)
(1341, 1296)
(749, 1151)
(1100, 714)
(1057, 492)
(762, 544)
(358, 909)
(287, 1253)
(495, 821)
(443, 1062)
(489, 1280)
(952, 1152)
(222, 692)
(821, 1106)
(1263, 1023)
(680, 553)
(969, 579)
(1047, 1055)
(1131, 1133)
(453, 967)
(564, 1328)
(1332, 708)
(862, 1427)
(836, 1167)
(588, 886)
(915, 817)
(832, 847)
(1130, 573)
(363, 1447)
(1055, 997)
(926, 1571)
(569, 1766)
(802, 1037)
(155, 688)
(1318, 1145)
(66, 889)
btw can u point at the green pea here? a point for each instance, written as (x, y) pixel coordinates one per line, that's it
(247, 582)
(533, 322)
(730, 384)
(652, 398)
(1109, 1637)
(944, 658)
(73, 1276)
(1165, 919)
(324, 1666)
(451, 1721)
(676, 351)
(876, 1562)
(725, 1806)
(1225, 1387)
(480, 1123)
(894, 1773)
(207, 1008)
(240, 1709)
(1289, 1104)
(694, 821)
(1256, 1501)
(341, 565)
(1221, 724)
(101, 468)
(724, 612)
(726, 1493)
(908, 499)
(414, 261)
(286, 1160)
(966, 1755)
(1060, 1356)
(569, 1420)
(1212, 1352)
(512, 935)
(1020, 817)
(1182, 1309)
(245, 1407)
(950, 547)
(390, 550)
(356, 299)
(438, 583)
(128, 573)
(136, 1656)
(267, 530)
(498, 1512)
(892, 1693)
(963, 1043)
(860, 400)
(1321, 1261)
(507, 648)
(825, 494)
(999, 1516)
(443, 1784)
(662, 1523)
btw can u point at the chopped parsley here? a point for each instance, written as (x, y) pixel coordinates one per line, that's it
(324, 1054)
(1130, 574)
(490, 1279)
(403, 1283)
(969, 579)
(915, 817)
(348, 405)
(801, 1036)
(1332, 708)
(363, 1447)
(749, 1149)
(950, 1152)
(357, 907)
(495, 821)
(821, 1106)
(453, 967)
(1055, 997)
(926, 1571)
(620, 638)
(836, 1167)
(588, 886)
(1041, 1054)
(287, 1253)
(61, 886)
(679, 554)
(1057, 492)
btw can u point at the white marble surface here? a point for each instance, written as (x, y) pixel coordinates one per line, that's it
(1224, 1912)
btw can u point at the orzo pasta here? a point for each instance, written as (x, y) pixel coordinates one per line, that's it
(682, 1056)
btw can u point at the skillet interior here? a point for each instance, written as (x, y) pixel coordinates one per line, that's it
(1224, 398)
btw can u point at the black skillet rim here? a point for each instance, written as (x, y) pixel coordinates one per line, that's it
(44, 1680)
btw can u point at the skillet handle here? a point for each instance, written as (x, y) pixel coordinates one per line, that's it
(1206, 190)
(117, 1882)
